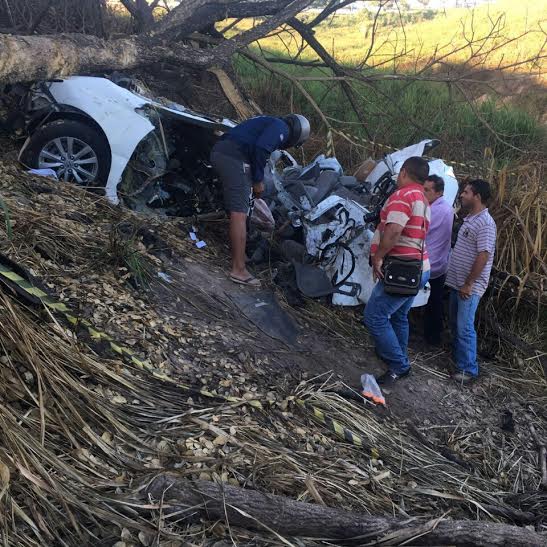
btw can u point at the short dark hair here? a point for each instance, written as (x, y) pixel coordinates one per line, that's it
(438, 182)
(416, 168)
(482, 188)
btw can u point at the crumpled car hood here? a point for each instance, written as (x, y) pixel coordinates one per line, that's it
(121, 115)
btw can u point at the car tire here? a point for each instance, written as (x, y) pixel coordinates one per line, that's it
(95, 161)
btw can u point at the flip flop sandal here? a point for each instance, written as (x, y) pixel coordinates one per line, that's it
(249, 281)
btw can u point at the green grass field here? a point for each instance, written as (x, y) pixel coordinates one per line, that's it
(400, 112)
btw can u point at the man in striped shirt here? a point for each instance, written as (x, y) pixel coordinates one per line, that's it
(404, 221)
(468, 274)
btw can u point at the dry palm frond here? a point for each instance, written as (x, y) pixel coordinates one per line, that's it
(76, 433)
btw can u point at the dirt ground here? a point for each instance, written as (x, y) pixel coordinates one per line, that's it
(332, 343)
(463, 421)
(428, 397)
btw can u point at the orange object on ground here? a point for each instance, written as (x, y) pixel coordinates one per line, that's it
(371, 390)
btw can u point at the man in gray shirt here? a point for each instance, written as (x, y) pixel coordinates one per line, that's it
(468, 274)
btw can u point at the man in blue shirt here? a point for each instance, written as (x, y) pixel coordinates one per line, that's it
(240, 157)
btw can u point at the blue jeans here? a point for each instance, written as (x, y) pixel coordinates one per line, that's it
(386, 317)
(464, 337)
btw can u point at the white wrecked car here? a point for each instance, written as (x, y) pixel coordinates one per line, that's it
(107, 133)
(95, 132)
(337, 216)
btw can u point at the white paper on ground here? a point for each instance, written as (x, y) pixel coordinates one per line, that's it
(165, 277)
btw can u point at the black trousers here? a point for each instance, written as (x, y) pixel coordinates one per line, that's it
(434, 312)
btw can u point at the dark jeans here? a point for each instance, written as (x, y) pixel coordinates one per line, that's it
(433, 312)
(386, 317)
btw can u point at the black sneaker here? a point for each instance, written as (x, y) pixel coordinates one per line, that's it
(389, 378)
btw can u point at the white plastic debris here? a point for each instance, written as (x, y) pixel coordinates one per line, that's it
(194, 237)
(329, 164)
(371, 390)
(165, 277)
(43, 173)
(344, 223)
(262, 217)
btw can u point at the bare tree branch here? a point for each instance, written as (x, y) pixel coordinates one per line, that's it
(373, 36)
(231, 25)
(296, 62)
(192, 15)
(261, 61)
(9, 13)
(141, 12)
(40, 16)
(245, 38)
(482, 119)
(308, 35)
(329, 10)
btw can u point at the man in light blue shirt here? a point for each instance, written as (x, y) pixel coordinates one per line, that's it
(437, 243)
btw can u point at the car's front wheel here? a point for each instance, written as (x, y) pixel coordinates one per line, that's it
(75, 151)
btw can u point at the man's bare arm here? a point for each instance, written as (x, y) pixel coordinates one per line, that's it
(389, 239)
(474, 274)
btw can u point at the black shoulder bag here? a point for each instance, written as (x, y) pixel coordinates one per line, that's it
(402, 276)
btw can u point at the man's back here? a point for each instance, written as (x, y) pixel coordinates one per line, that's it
(268, 132)
(257, 138)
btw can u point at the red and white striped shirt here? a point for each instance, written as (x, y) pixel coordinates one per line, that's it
(409, 208)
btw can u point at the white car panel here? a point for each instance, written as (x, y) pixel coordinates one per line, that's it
(349, 228)
(113, 108)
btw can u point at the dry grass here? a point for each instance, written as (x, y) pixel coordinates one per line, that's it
(515, 306)
(78, 434)
(521, 213)
(80, 431)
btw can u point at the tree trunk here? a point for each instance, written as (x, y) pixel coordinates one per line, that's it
(28, 58)
(142, 12)
(255, 510)
(193, 15)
